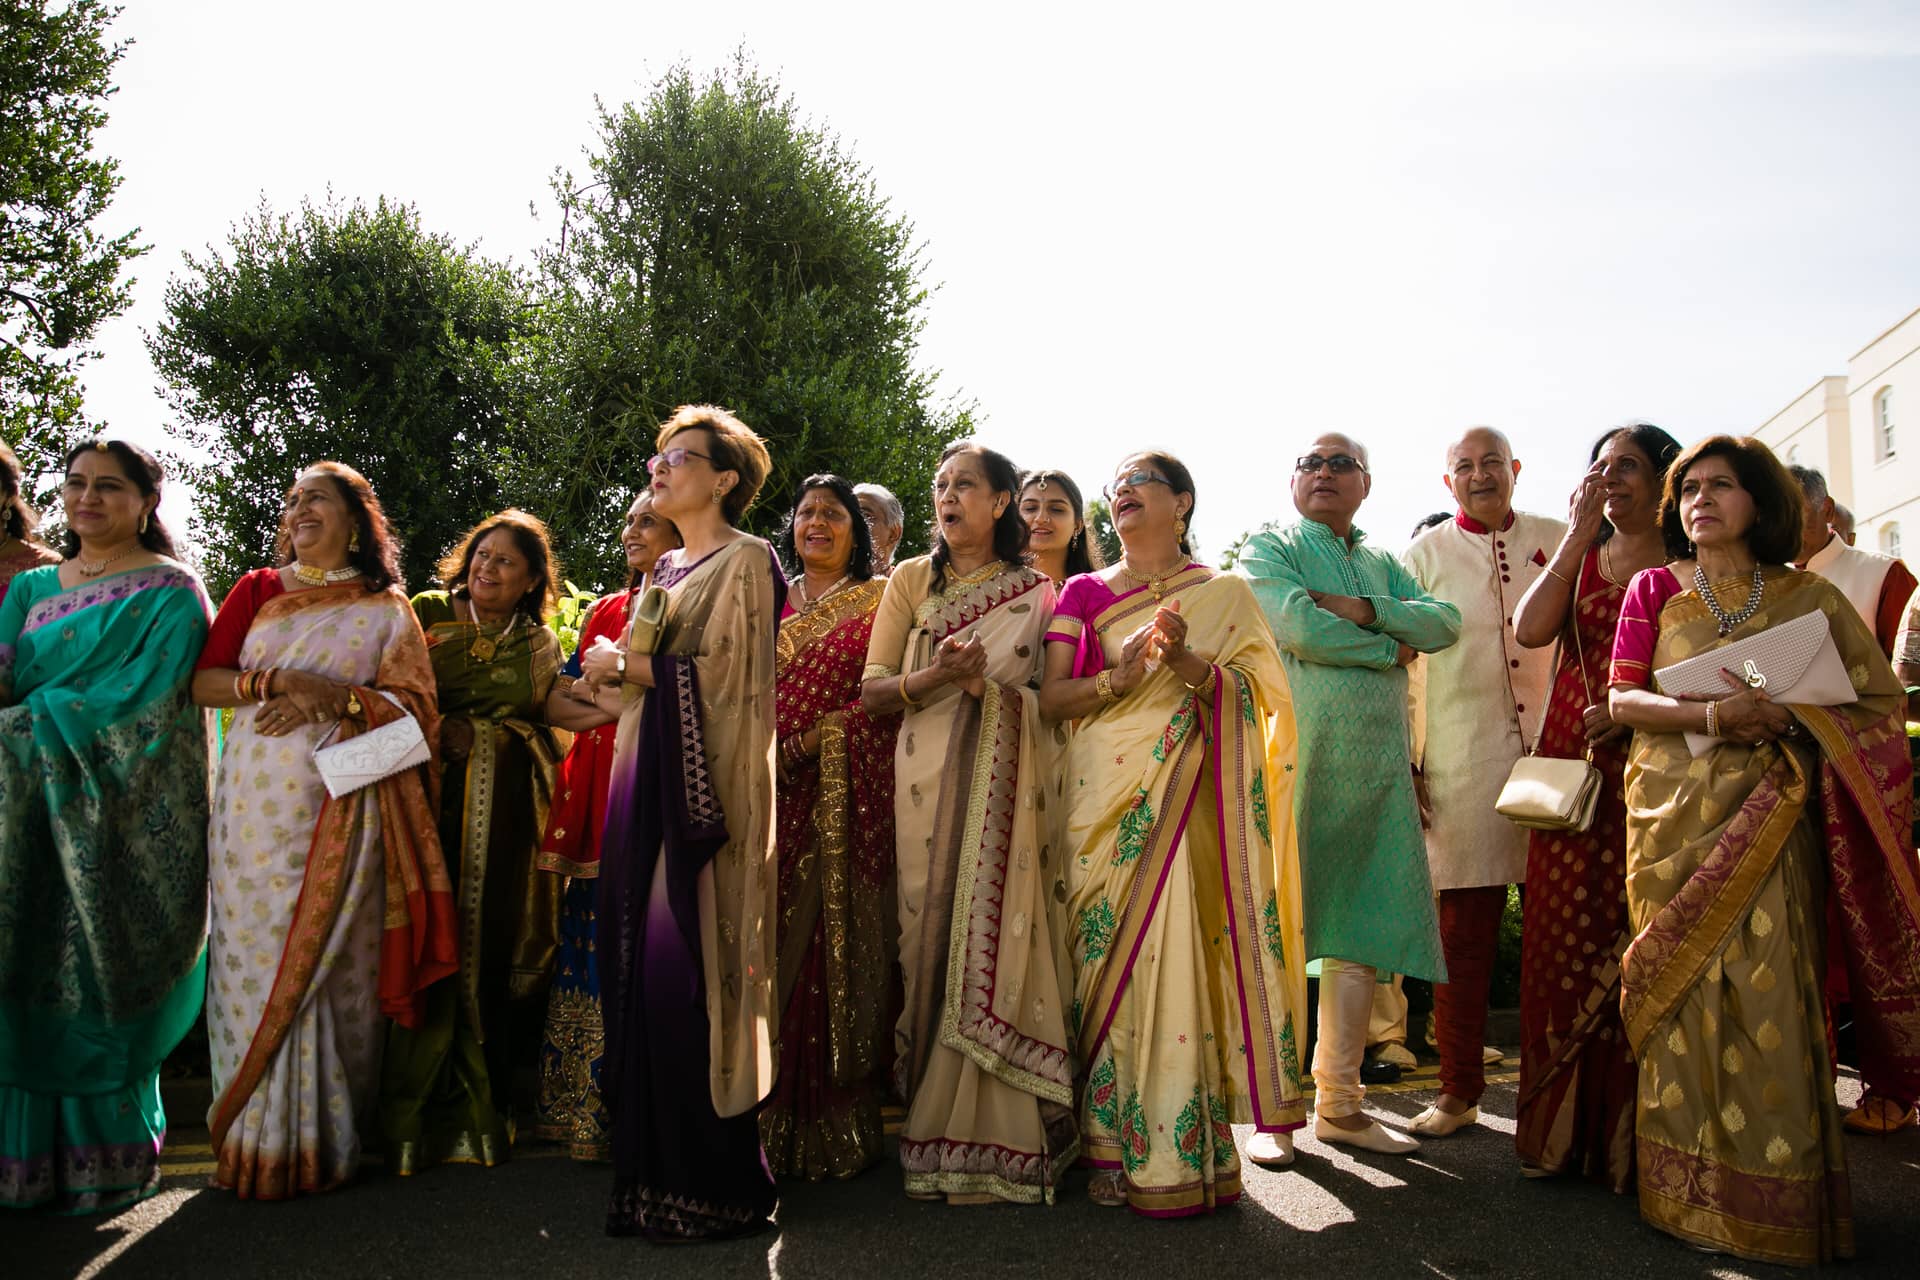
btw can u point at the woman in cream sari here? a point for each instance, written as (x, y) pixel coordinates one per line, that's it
(1181, 871)
(1732, 857)
(984, 1059)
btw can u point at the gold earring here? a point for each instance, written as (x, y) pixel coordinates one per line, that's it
(1179, 528)
(353, 541)
(143, 522)
(718, 493)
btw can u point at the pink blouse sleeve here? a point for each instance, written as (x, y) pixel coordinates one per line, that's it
(1074, 609)
(1639, 626)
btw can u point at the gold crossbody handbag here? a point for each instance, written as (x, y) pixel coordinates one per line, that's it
(1546, 794)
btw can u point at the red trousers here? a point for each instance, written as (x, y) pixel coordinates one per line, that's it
(1470, 941)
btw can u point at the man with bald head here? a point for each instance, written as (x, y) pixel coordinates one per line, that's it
(1484, 700)
(1348, 619)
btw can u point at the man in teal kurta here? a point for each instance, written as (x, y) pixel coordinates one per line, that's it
(1348, 619)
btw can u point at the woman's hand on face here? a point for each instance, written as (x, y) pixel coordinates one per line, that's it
(278, 716)
(600, 664)
(1588, 506)
(314, 698)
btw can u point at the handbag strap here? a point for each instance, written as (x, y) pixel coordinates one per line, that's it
(1568, 630)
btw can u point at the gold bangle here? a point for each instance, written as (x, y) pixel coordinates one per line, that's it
(1103, 685)
(906, 697)
(1563, 577)
(1205, 686)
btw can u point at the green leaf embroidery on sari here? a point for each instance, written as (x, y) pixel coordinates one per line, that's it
(1258, 803)
(1136, 826)
(1096, 929)
(1134, 1143)
(1190, 1133)
(1222, 1132)
(1290, 1054)
(1270, 930)
(1176, 731)
(1103, 1095)
(1246, 702)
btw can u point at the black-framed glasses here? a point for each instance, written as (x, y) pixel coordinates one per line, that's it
(675, 457)
(1133, 481)
(1340, 464)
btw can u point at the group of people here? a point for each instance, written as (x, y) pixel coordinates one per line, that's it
(1040, 848)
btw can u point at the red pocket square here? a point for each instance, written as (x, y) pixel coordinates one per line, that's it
(1539, 558)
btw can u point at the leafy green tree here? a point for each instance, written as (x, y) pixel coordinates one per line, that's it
(1100, 528)
(60, 278)
(725, 251)
(347, 333)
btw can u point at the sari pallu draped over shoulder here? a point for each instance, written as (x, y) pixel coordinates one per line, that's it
(373, 855)
(984, 1058)
(834, 832)
(1184, 900)
(103, 811)
(1730, 859)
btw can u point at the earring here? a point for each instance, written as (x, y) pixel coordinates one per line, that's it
(353, 540)
(143, 522)
(718, 493)
(1179, 528)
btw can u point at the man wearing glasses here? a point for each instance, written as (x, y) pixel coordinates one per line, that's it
(1485, 700)
(1348, 619)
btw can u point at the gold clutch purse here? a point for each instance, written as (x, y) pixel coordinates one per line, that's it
(644, 624)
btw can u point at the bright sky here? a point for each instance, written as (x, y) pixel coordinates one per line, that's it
(1217, 229)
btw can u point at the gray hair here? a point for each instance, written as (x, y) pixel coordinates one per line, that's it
(896, 514)
(1842, 520)
(1811, 482)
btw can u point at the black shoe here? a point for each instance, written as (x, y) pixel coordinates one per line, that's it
(1374, 1071)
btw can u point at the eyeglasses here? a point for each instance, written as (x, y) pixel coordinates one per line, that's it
(1340, 464)
(675, 457)
(1133, 481)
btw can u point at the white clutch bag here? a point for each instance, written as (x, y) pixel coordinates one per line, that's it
(379, 753)
(1795, 662)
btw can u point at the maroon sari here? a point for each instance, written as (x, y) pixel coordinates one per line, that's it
(834, 831)
(1577, 1072)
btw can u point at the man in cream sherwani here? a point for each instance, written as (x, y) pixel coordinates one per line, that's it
(1484, 701)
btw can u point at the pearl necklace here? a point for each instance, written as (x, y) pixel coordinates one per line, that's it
(94, 568)
(315, 577)
(1728, 621)
(801, 602)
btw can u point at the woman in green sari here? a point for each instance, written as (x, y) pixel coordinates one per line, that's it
(103, 843)
(448, 1085)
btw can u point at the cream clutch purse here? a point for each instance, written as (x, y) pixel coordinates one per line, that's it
(359, 762)
(1547, 794)
(1795, 662)
(648, 616)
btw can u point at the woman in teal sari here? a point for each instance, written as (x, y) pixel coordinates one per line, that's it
(447, 1088)
(103, 843)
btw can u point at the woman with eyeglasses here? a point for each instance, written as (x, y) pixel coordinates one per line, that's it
(1057, 535)
(687, 940)
(984, 1060)
(1181, 875)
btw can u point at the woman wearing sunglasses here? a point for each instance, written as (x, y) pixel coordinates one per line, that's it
(984, 1060)
(1181, 876)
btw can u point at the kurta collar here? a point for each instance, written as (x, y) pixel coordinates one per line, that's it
(1471, 525)
(1835, 548)
(1355, 532)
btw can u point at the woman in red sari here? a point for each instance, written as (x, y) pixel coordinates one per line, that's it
(568, 1107)
(1576, 1071)
(834, 831)
(18, 550)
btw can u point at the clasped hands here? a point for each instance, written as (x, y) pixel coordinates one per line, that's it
(599, 665)
(1360, 613)
(1747, 715)
(302, 698)
(1161, 640)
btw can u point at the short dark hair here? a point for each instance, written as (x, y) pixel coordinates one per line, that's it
(860, 563)
(145, 473)
(736, 448)
(529, 533)
(1428, 521)
(1774, 537)
(1661, 449)
(378, 555)
(1180, 480)
(1009, 531)
(17, 519)
(1083, 549)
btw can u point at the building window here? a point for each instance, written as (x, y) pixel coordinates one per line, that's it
(1890, 538)
(1883, 422)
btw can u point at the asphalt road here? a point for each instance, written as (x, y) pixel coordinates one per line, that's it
(1459, 1209)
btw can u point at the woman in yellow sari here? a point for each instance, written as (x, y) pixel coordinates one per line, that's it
(984, 1059)
(1731, 858)
(1181, 871)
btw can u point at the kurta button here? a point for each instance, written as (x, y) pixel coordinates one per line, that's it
(1506, 578)
(1519, 706)
(1516, 662)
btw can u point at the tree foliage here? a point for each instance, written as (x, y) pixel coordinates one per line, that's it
(723, 250)
(60, 278)
(348, 333)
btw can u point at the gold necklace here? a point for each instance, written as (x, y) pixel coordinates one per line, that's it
(956, 582)
(94, 568)
(802, 604)
(1156, 583)
(316, 577)
(487, 648)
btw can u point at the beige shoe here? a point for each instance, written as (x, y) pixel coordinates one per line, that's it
(1490, 1056)
(1375, 1137)
(1271, 1150)
(1435, 1123)
(1397, 1054)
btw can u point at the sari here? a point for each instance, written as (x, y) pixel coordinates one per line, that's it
(1183, 896)
(834, 832)
(568, 1107)
(446, 1085)
(329, 916)
(686, 914)
(103, 877)
(984, 1060)
(1730, 859)
(1576, 1070)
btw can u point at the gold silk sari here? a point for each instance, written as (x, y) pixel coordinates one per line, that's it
(1730, 860)
(1184, 902)
(984, 1058)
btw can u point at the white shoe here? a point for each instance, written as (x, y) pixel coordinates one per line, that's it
(1397, 1054)
(1271, 1150)
(1375, 1137)
(1490, 1056)
(1435, 1123)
